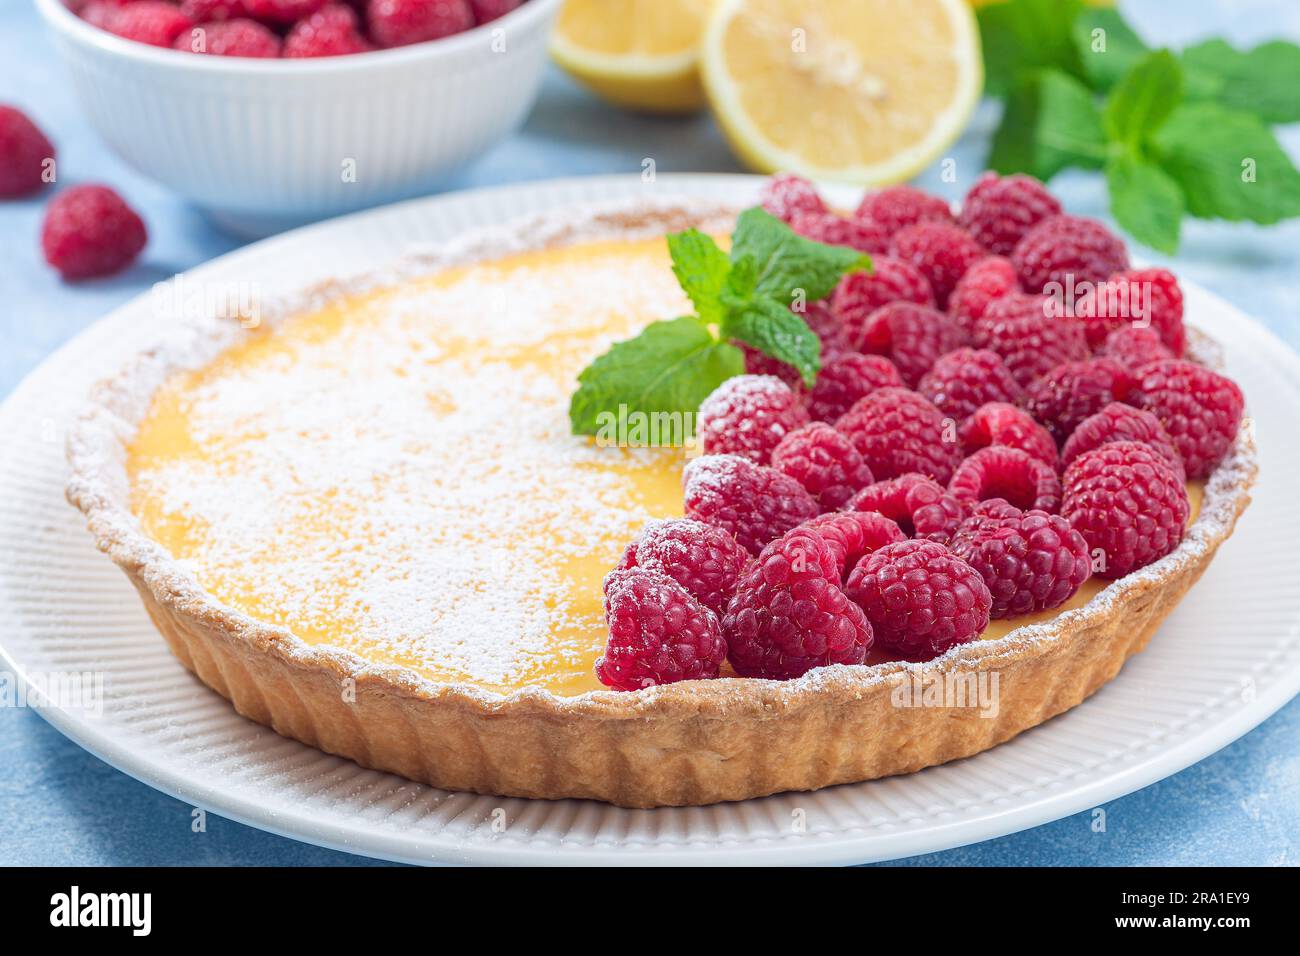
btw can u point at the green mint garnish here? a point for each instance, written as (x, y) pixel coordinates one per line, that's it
(754, 295)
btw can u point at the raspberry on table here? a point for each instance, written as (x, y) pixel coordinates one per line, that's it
(485, 11)
(281, 13)
(964, 379)
(845, 379)
(899, 431)
(90, 231)
(920, 506)
(1118, 422)
(1067, 251)
(912, 336)
(1072, 391)
(788, 616)
(1030, 560)
(24, 154)
(230, 38)
(1030, 335)
(853, 535)
(987, 280)
(658, 633)
(836, 230)
(861, 293)
(896, 207)
(920, 598)
(1128, 504)
(941, 251)
(999, 210)
(999, 471)
(144, 21)
(1001, 423)
(753, 503)
(788, 193)
(1141, 298)
(824, 461)
(1199, 408)
(333, 30)
(748, 415)
(403, 22)
(705, 560)
(1133, 347)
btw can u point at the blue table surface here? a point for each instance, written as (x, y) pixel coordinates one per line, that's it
(61, 806)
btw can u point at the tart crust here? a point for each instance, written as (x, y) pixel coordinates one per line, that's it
(691, 743)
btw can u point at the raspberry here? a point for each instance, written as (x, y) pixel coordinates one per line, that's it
(282, 12)
(1118, 422)
(989, 279)
(230, 38)
(920, 598)
(485, 11)
(1072, 391)
(1127, 503)
(998, 211)
(1133, 347)
(787, 193)
(912, 336)
(920, 506)
(753, 503)
(705, 560)
(999, 423)
(1200, 409)
(861, 293)
(853, 534)
(1067, 250)
(1030, 335)
(788, 616)
(89, 231)
(941, 251)
(860, 234)
(332, 31)
(748, 415)
(402, 22)
(898, 432)
(845, 379)
(658, 633)
(145, 21)
(24, 152)
(1002, 472)
(824, 462)
(211, 11)
(1030, 560)
(897, 207)
(1141, 298)
(822, 319)
(963, 380)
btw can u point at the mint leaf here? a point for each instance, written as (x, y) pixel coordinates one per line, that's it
(1145, 201)
(671, 366)
(1228, 164)
(1263, 81)
(1024, 36)
(1107, 45)
(701, 269)
(1050, 121)
(1143, 98)
(773, 329)
(784, 263)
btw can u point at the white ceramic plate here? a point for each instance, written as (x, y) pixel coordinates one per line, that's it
(1225, 660)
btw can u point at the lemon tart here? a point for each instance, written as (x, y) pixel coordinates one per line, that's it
(366, 523)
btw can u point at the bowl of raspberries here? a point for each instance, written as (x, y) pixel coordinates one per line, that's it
(272, 113)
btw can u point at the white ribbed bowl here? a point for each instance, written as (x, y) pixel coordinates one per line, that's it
(264, 144)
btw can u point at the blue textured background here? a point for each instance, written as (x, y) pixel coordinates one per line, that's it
(59, 805)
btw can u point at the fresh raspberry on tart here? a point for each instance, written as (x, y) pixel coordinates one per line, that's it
(854, 534)
(920, 598)
(785, 194)
(920, 506)
(999, 210)
(942, 253)
(824, 461)
(1118, 422)
(1072, 391)
(753, 503)
(1065, 252)
(748, 415)
(1133, 347)
(1000, 423)
(845, 379)
(1002, 472)
(896, 207)
(1199, 408)
(658, 633)
(834, 230)
(890, 280)
(912, 336)
(705, 560)
(1128, 503)
(1030, 334)
(899, 431)
(964, 379)
(983, 283)
(1141, 298)
(1030, 560)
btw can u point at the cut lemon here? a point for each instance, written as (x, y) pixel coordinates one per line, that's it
(859, 91)
(642, 54)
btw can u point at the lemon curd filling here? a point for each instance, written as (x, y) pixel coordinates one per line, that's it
(393, 474)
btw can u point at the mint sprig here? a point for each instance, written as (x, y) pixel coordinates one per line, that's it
(753, 295)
